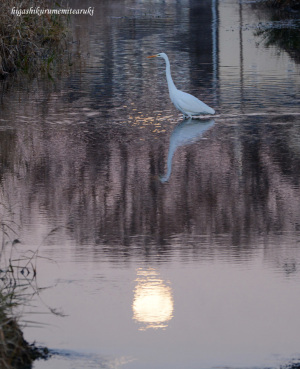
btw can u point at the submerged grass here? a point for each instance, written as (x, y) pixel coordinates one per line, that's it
(30, 42)
(283, 28)
(283, 34)
(293, 4)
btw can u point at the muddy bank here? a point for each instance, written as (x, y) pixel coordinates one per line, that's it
(15, 351)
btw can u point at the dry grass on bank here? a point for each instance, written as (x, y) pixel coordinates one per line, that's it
(29, 42)
(16, 277)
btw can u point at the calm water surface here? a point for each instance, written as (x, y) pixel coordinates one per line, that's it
(163, 243)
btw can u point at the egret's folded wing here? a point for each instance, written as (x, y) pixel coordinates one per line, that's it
(191, 104)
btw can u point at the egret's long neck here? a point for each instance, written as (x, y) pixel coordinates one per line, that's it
(171, 84)
(172, 149)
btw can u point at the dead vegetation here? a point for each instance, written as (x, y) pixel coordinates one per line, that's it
(18, 271)
(15, 351)
(30, 42)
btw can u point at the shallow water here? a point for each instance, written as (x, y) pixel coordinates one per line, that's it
(162, 243)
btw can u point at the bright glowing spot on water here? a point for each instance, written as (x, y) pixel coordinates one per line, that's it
(153, 303)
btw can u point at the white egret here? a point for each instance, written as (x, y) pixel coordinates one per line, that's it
(188, 104)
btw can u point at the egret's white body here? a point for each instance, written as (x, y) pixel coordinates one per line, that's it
(188, 104)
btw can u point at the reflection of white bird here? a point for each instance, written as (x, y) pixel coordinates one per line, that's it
(188, 104)
(185, 133)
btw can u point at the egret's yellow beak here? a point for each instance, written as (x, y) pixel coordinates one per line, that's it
(152, 56)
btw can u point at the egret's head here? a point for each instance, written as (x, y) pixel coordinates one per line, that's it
(160, 55)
